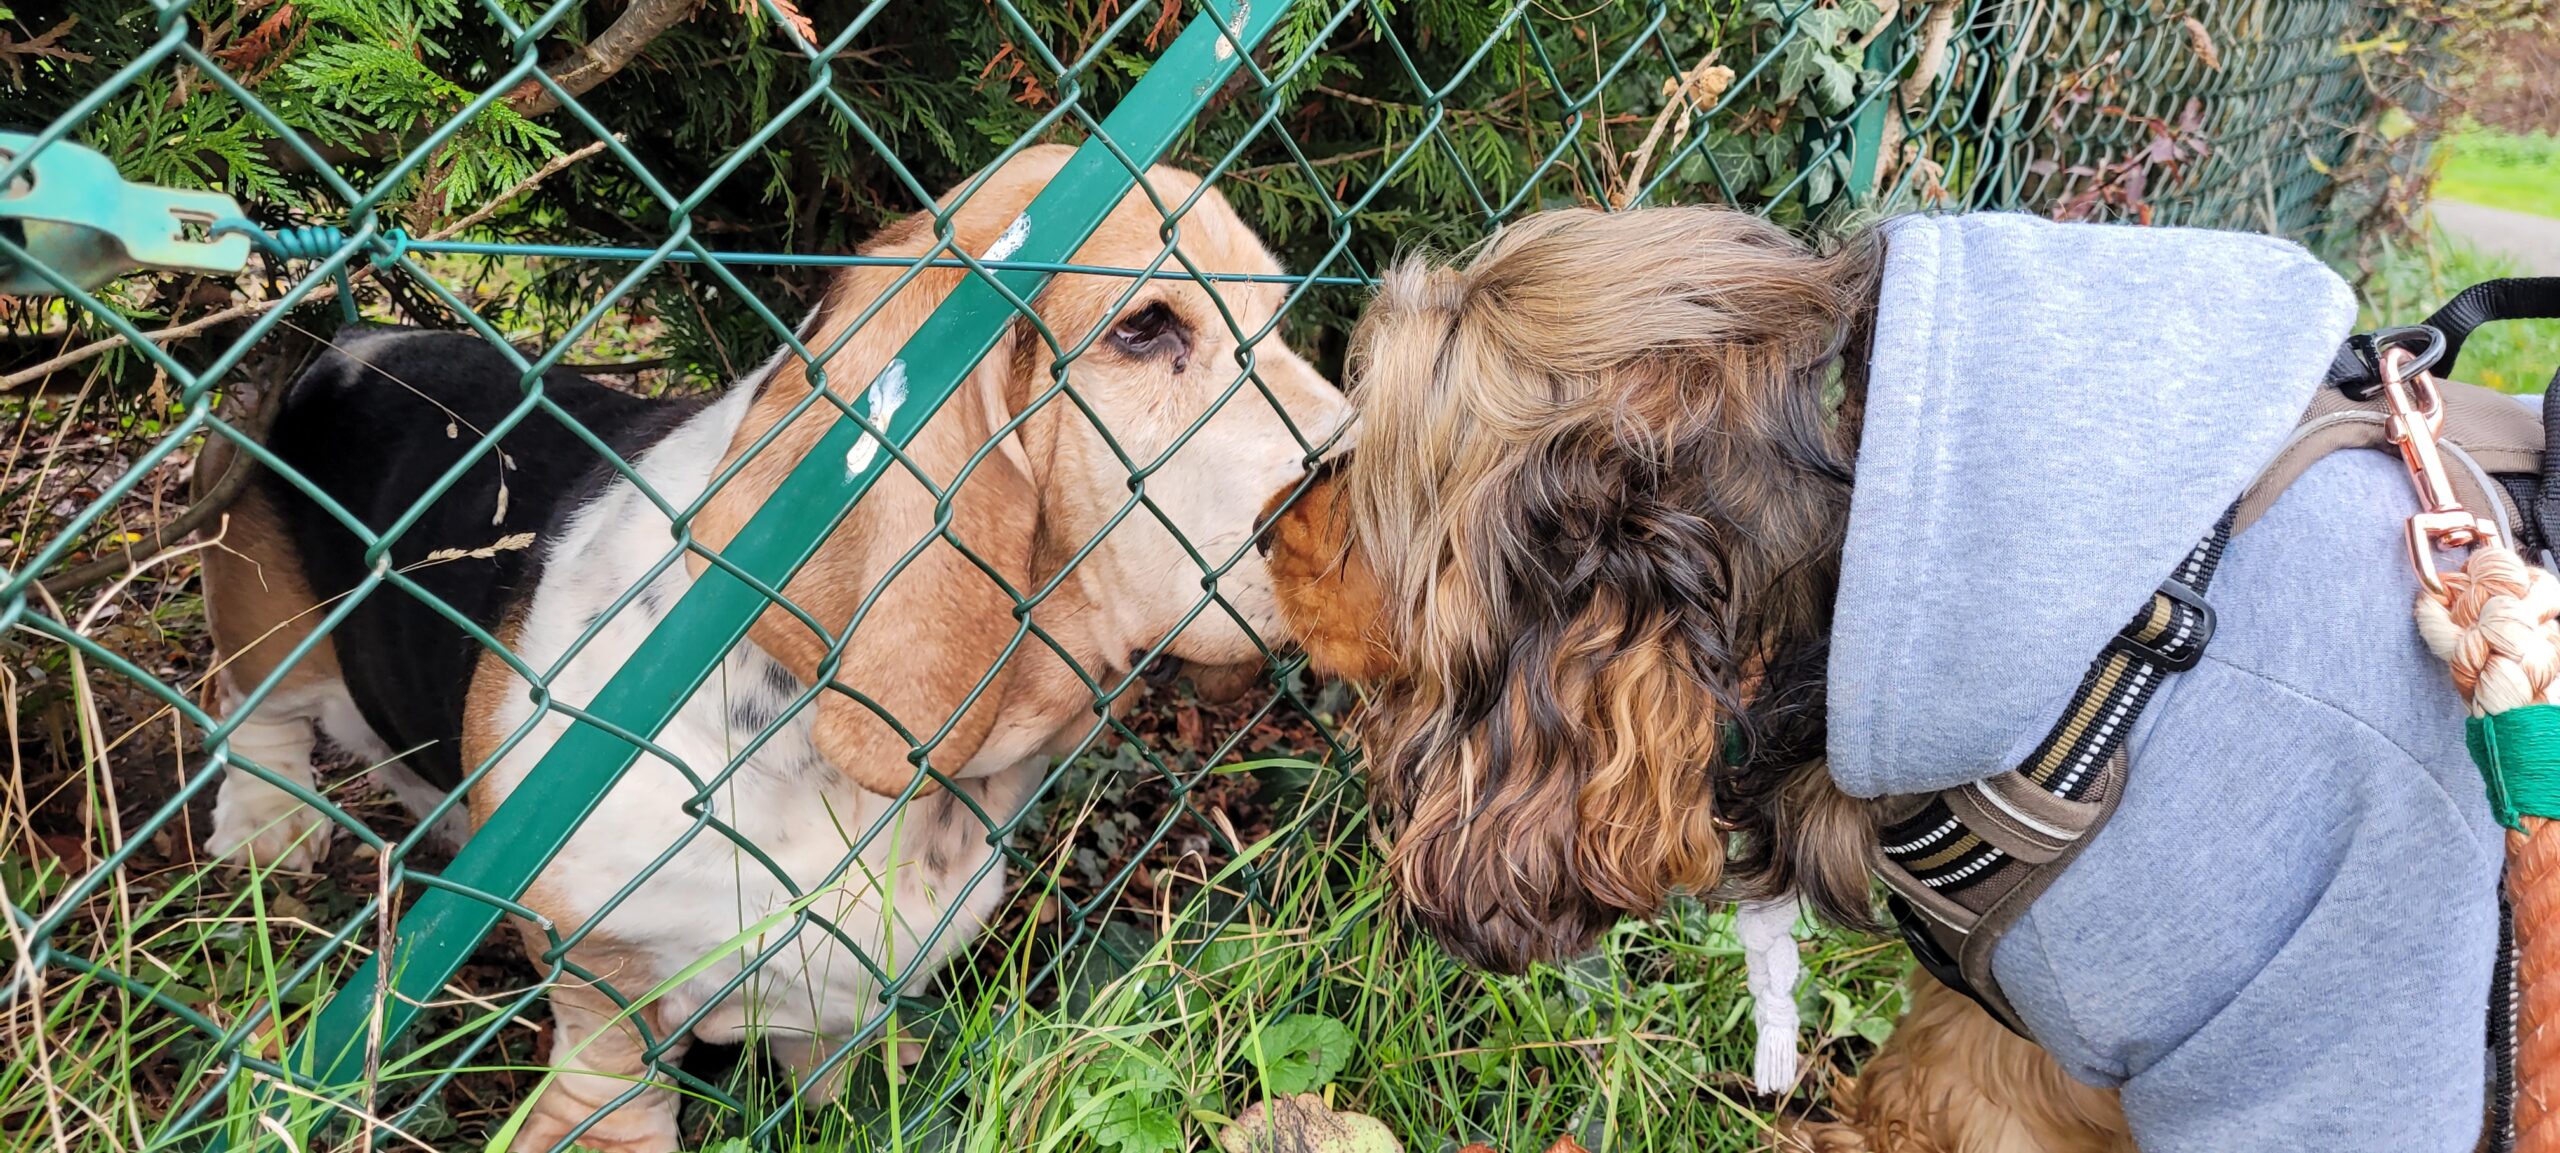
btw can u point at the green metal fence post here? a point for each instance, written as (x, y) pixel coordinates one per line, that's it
(1868, 139)
(503, 857)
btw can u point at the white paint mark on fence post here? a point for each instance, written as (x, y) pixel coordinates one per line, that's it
(1015, 235)
(887, 392)
(1235, 29)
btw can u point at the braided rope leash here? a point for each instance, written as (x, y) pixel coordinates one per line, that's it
(2496, 624)
(2498, 628)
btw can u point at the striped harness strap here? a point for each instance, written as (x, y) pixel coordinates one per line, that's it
(1964, 862)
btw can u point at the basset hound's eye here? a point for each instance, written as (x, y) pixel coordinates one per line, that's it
(1154, 331)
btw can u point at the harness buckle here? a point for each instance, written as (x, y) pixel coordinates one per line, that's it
(2187, 655)
(1933, 956)
(2416, 416)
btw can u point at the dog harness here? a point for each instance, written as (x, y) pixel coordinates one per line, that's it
(1963, 863)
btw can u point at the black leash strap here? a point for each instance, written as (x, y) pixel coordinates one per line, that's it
(2513, 298)
(2502, 1036)
(2546, 503)
(2356, 370)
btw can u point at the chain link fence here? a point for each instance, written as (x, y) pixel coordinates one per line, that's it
(523, 173)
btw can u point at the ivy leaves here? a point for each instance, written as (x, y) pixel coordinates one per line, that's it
(1818, 60)
(1300, 1054)
(1136, 1103)
(1806, 68)
(1132, 1104)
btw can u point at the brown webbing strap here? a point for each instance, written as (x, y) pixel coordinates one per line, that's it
(2485, 433)
(1965, 863)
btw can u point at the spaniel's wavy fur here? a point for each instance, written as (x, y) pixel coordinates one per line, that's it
(1586, 556)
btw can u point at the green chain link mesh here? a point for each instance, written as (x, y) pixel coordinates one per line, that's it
(1347, 129)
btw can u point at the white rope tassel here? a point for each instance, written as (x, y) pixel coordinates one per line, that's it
(1770, 968)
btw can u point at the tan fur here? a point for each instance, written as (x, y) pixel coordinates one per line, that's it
(260, 608)
(256, 600)
(981, 643)
(1327, 590)
(482, 731)
(1951, 1080)
(941, 598)
(1593, 521)
(1575, 563)
(598, 1053)
(939, 656)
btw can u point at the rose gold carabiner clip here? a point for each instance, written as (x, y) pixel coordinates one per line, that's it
(2416, 416)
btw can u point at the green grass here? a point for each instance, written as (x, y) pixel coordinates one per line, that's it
(2411, 281)
(1644, 1046)
(1281, 974)
(2501, 170)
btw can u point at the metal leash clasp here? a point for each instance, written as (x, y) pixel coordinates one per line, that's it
(2415, 417)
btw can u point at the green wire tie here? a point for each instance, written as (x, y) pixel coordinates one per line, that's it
(317, 242)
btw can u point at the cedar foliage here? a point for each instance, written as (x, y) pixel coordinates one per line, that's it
(1351, 160)
(945, 85)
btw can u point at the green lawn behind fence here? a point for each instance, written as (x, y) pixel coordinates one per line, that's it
(2502, 170)
(2411, 281)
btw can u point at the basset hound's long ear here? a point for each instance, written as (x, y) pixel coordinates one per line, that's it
(940, 623)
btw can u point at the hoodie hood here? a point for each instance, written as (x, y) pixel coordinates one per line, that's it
(2055, 414)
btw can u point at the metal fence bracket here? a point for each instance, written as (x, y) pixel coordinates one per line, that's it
(86, 224)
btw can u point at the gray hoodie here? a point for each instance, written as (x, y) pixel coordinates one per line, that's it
(2283, 939)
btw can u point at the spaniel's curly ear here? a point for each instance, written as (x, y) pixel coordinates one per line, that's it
(1327, 591)
(1558, 777)
(1602, 489)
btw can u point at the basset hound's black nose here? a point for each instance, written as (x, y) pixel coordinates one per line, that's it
(1160, 672)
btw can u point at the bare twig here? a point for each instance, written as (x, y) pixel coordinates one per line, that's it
(1890, 158)
(217, 497)
(47, 45)
(603, 56)
(98, 610)
(97, 348)
(548, 170)
(621, 367)
(1316, 162)
(1693, 91)
(386, 920)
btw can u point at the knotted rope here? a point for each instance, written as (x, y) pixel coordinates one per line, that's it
(1770, 969)
(2498, 627)
(2496, 624)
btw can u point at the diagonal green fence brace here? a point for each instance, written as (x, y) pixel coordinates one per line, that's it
(523, 835)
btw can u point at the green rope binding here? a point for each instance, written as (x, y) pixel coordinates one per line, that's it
(2518, 752)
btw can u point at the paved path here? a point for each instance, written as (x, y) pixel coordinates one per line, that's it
(2532, 241)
